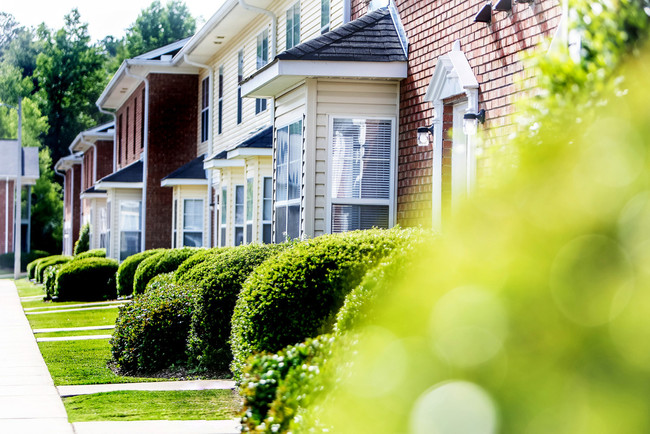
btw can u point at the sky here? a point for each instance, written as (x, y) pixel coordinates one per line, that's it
(103, 18)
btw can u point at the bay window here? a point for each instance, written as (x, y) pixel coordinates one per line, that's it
(288, 166)
(360, 174)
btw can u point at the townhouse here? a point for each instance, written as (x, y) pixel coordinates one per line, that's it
(284, 119)
(29, 174)
(69, 167)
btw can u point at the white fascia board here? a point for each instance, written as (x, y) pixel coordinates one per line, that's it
(250, 152)
(107, 185)
(301, 69)
(27, 180)
(66, 163)
(218, 164)
(93, 195)
(174, 182)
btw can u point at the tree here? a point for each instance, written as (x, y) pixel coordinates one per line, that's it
(70, 75)
(47, 208)
(157, 26)
(83, 243)
(9, 28)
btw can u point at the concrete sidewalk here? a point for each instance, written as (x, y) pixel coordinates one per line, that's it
(29, 402)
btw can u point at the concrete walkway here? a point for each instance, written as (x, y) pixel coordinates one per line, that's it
(29, 402)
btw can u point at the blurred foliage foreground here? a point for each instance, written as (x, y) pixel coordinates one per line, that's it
(532, 313)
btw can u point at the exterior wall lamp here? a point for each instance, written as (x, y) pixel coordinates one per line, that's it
(503, 6)
(471, 121)
(484, 15)
(424, 134)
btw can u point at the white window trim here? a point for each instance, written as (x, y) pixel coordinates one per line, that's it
(452, 76)
(261, 213)
(119, 226)
(392, 199)
(182, 226)
(235, 225)
(205, 83)
(223, 226)
(286, 203)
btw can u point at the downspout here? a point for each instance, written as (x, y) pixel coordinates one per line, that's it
(274, 22)
(64, 202)
(101, 110)
(187, 60)
(145, 154)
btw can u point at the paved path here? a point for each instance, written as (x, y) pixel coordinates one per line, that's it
(159, 427)
(29, 402)
(155, 386)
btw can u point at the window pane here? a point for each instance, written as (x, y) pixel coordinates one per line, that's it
(193, 239)
(296, 24)
(193, 215)
(280, 224)
(130, 215)
(282, 163)
(268, 199)
(266, 233)
(249, 233)
(224, 205)
(129, 243)
(239, 204)
(352, 217)
(223, 237)
(324, 13)
(249, 199)
(239, 236)
(295, 160)
(293, 221)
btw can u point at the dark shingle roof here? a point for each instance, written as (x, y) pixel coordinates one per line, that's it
(192, 170)
(94, 191)
(260, 139)
(131, 173)
(371, 38)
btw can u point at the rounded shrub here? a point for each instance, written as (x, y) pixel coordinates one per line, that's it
(126, 272)
(83, 243)
(31, 266)
(151, 332)
(275, 386)
(200, 256)
(46, 262)
(49, 280)
(165, 261)
(90, 279)
(296, 294)
(95, 253)
(218, 281)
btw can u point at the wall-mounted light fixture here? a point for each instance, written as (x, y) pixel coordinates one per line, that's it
(424, 135)
(471, 121)
(485, 14)
(503, 6)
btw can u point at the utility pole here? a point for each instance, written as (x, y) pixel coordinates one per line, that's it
(18, 197)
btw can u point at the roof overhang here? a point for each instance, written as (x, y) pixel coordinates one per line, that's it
(105, 185)
(280, 75)
(220, 163)
(66, 163)
(122, 85)
(225, 25)
(93, 195)
(175, 182)
(250, 152)
(85, 140)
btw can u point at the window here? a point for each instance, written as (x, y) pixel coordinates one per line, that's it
(205, 109)
(262, 48)
(360, 174)
(293, 26)
(288, 180)
(239, 215)
(108, 229)
(130, 228)
(249, 210)
(240, 77)
(224, 215)
(220, 108)
(193, 222)
(260, 105)
(324, 16)
(267, 210)
(174, 223)
(103, 229)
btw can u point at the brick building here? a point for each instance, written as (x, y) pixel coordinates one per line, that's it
(70, 168)
(458, 66)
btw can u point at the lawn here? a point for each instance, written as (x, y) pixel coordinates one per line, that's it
(82, 318)
(28, 289)
(74, 333)
(82, 362)
(136, 405)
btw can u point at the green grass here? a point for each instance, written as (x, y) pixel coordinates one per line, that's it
(135, 405)
(82, 362)
(73, 333)
(28, 289)
(82, 318)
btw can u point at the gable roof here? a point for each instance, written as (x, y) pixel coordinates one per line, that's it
(9, 162)
(101, 132)
(370, 38)
(167, 50)
(259, 143)
(127, 177)
(191, 173)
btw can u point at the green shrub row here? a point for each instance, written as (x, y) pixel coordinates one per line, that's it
(83, 242)
(89, 279)
(297, 294)
(127, 269)
(49, 280)
(151, 332)
(95, 253)
(26, 258)
(165, 261)
(46, 262)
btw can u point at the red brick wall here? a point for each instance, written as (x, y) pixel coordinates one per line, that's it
(67, 204)
(76, 202)
(128, 129)
(104, 149)
(87, 181)
(172, 143)
(6, 215)
(493, 53)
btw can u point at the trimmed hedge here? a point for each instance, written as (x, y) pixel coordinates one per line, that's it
(297, 294)
(46, 262)
(185, 269)
(90, 279)
(162, 262)
(49, 280)
(83, 243)
(275, 386)
(95, 253)
(127, 269)
(151, 332)
(218, 280)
